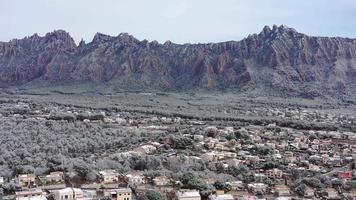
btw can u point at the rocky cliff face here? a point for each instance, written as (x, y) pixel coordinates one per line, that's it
(279, 60)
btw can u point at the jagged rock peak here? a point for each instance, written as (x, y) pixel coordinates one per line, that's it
(278, 60)
(127, 38)
(100, 37)
(81, 43)
(59, 35)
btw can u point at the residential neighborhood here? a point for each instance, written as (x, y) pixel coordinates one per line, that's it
(175, 157)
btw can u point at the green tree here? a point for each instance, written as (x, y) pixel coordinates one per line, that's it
(152, 195)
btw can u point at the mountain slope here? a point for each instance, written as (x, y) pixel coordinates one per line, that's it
(278, 61)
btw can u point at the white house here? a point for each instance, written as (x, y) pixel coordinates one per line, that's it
(188, 195)
(31, 194)
(68, 194)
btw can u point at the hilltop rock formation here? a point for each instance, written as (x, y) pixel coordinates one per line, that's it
(278, 61)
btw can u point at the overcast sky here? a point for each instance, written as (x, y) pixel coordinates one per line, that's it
(180, 21)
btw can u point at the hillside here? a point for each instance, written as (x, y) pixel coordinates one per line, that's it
(277, 61)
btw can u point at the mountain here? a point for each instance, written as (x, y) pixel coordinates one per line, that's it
(277, 61)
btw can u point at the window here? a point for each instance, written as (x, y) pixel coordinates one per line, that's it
(66, 196)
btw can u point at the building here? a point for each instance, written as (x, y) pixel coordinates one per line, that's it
(2, 180)
(309, 193)
(331, 193)
(68, 194)
(236, 185)
(89, 195)
(289, 157)
(109, 176)
(274, 173)
(188, 195)
(136, 178)
(282, 190)
(345, 175)
(119, 194)
(52, 181)
(31, 194)
(221, 197)
(257, 187)
(161, 181)
(26, 180)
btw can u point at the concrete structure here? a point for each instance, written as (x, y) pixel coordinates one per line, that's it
(345, 175)
(309, 193)
(282, 190)
(257, 187)
(221, 197)
(31, 194)
(52, 181)
(236, 185)
(136, 178)
(289, 157)
(274, 173)
(188, 195)
(109, 176)
(68, 194)
(26, 180)
(119, 194)
(161, 181)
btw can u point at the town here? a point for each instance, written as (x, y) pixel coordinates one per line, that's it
(124, 155)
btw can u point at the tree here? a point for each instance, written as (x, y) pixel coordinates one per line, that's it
(300, 189)
(219, 185)
(152, 195)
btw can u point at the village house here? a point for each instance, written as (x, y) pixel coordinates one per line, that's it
(309, 193)
(314, 168)
(236, 185)
(257, 187)
(30, 194)
(274, 173)
(68, 194)
(109, 176)
(289, 157)
(221, 197)
(26, 180)
(136, 178)
(161, 181)
(259, 177)
(89, 195)
(188, 195)
(330, 193)
(282, 190)
(198, 138)
(54, 180)
(118, 194)
(252, 159)
(345, 175)
(335, 161)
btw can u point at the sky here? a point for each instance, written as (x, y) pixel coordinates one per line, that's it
(180, 21)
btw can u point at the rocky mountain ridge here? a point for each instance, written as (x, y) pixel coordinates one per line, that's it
(277, 61)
